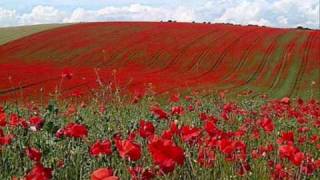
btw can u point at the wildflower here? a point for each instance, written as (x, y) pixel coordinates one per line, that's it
(139, 173)
(206, 157)
(33, 154)
(146, 129)
(128, 149)
(73, 130)
(3, 122)
(175, 98)
(103, 174)
(159, 113)
(101, 148)
(66, 74)
(177, 110)
(190, 134)
(166, 154)
(267, 125)
(39, 172)
(36, 122)
(285, 100)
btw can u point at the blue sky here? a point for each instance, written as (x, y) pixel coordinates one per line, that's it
(277, 13)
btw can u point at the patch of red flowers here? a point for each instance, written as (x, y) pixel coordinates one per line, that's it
(74, 130)
(101, 148)
(39, 172)
(103, 174)
(166, 154)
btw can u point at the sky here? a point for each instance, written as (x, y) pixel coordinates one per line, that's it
(275, 13)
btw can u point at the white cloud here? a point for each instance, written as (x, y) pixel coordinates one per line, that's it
(279, 13)
(245, 13)
(134, 12)
(42, 15)
(8, 17)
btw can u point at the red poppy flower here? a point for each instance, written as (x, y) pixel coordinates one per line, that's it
(33, 153)
(211, 128)
(267, 125)
(103, 174)
(5, 140)
(279, 172)
(128, 149)
(36, 122)
(175, 98)
(166, 154)
(286, 137)
(285, 100)
(174, 127)
(243, 168)
(39, 172)
(159, 113)
(74, 130)
(66, 74)
(189, 134)
(146, 129)
(177, 110)
(287, 151)
(314, 139)
(167, 134)
(59, 134)
(14, 120)
(101, 147)
(139, 173)
(3, 117)
(226, 146)
(298, 158)
(206, 157)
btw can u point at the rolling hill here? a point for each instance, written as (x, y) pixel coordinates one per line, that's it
(170, 56)
(13, 33)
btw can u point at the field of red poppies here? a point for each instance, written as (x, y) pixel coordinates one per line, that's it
(186, 137)
(109, 101)
(171, 56)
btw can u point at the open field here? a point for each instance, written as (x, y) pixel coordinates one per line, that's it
(170, 56)
(186, 137)
(13, 33)
(140, 101)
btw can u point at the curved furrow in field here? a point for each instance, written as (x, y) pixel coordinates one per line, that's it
(284, 64)
(267, 55)
(244, 57)
(183, 50)
(220, 58)
(18, 88)
(101, 49)
(304, 63)
(139, 39)
(205, 53)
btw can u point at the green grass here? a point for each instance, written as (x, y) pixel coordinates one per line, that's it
(8, 34)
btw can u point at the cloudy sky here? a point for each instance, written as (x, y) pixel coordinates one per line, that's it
(277, 13)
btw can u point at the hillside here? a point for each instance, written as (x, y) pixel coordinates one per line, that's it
(8, 34)
(171, 56)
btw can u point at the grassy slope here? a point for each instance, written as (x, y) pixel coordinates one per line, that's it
(169, 55)
(13, 33)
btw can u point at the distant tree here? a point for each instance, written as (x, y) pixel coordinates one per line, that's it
(169, 20)
(302, 28)
(193, 22)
